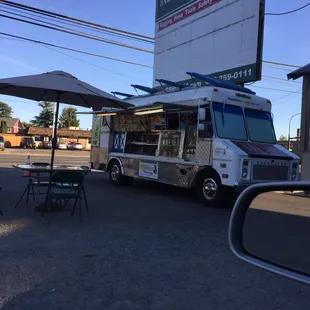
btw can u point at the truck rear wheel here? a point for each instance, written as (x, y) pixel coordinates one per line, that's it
(116, 176)
(211, 191)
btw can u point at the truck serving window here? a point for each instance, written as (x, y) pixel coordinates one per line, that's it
(260, 126)
(229, 121)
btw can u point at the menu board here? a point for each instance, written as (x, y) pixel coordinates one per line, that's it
(129, 122)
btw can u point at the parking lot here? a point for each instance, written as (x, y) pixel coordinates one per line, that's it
(146, 246)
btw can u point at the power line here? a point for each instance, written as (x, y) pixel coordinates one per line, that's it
(280, 64)
(82, 34)
(95, 29)
(88, 63)
(14, 37)
(281, 81)
(276, 89)
(78, 34)
(84, 61)
(82, 23)
(64, 17)
(289, 12)
(277, 68)
(52, 24)
(74, 50)
(298, 92)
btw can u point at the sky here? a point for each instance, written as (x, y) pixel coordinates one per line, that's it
(284, 41)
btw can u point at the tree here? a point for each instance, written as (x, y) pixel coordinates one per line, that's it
(68, 118)
(45, 117)
(3, 127)
(283, 138)
(5, 110)
(26, 124)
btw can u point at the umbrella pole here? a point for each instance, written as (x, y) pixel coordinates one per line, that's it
(53, 148)
(54, 140)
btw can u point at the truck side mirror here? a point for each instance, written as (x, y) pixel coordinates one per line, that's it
(270, 228)
(202, 114)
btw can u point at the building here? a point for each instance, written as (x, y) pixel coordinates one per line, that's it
(14, 125)
(43, 135)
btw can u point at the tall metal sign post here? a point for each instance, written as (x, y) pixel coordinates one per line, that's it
(305, 120)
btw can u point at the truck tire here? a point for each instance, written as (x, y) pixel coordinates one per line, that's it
(116, 176)
(211, 191)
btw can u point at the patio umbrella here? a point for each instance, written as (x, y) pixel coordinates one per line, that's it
(59, 86)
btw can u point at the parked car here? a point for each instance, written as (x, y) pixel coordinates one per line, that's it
(48, 145)
(27, 143)
(70, 145)
(2, 143)
(77, 146)
(61, 145)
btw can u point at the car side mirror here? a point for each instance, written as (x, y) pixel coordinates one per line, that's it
(270, 228)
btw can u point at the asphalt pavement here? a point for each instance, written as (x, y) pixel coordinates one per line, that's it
(145, 246)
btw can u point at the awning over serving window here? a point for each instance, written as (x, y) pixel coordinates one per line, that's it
(158, 107)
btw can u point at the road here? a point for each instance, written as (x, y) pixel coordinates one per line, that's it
(145, 246)
(16, 156)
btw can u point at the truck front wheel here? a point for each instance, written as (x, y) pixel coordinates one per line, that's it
(212, 193)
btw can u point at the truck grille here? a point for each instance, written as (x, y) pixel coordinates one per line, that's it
(270, 173)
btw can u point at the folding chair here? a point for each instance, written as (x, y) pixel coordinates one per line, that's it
(65, 185)
(37, 182)
(84, 172)
(32, 183)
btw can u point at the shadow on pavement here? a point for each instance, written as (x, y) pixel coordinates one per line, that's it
(146, 246)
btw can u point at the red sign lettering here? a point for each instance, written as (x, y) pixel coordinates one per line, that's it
(187, 12)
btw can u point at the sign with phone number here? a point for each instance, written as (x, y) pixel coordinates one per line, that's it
(237, 76)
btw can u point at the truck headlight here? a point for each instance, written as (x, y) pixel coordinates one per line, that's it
(294, 174)
(244, 173)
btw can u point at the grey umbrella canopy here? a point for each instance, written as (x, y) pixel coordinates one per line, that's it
(60, 87)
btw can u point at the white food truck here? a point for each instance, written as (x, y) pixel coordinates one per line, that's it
(218, 139)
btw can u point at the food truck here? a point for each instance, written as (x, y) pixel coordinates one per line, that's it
(218, 139)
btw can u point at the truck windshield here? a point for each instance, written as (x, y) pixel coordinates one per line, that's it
(260, 126)
(229, 121)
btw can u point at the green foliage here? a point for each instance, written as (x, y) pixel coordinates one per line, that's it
(26, 124)
(5, 110)
(68, 118)
(45, 117)
(282, 138)
(3, 127)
